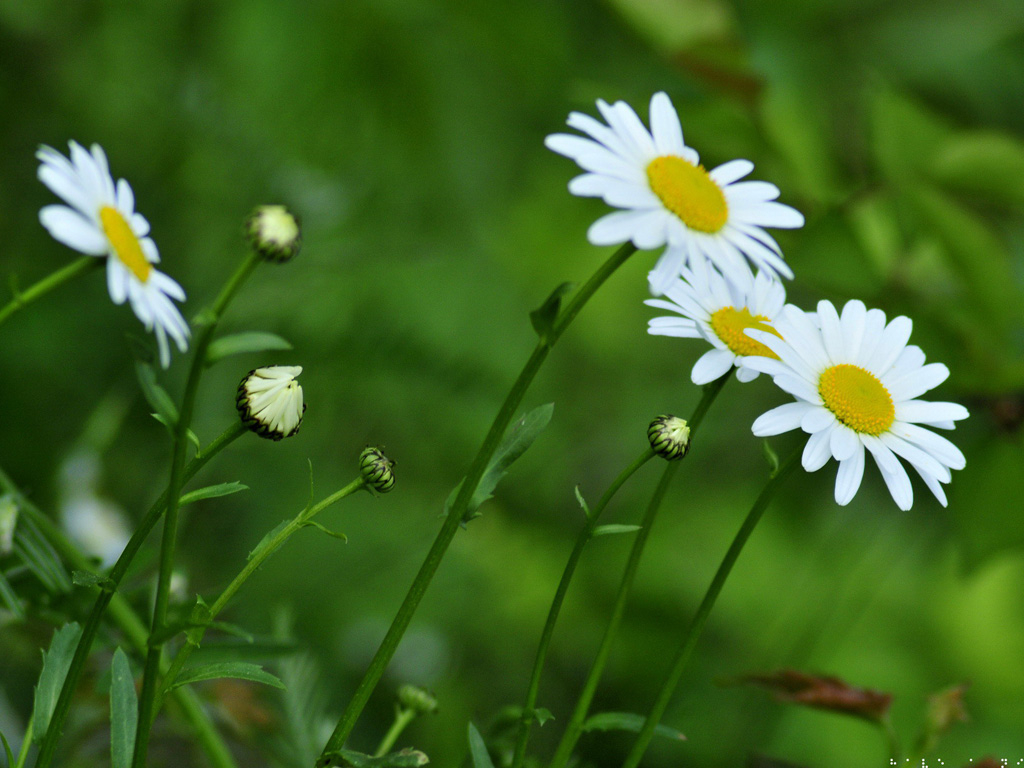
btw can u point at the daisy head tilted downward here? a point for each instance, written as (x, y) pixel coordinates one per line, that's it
(668, 196)
(100, 220)
(857, 381)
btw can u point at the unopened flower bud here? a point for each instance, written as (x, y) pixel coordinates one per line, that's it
(669, 436)
(8, 521)
(377, 469)
(269, 401)
(417, 699)
(274, 232)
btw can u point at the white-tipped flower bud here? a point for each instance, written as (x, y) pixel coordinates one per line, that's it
(269, 401)
(669, 436)
(417, 699)
(377, 469)
(274, 232)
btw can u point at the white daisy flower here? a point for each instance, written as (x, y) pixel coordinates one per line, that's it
(668, 196)
(100, 220)
(720, 312)
(269, 400)
(856, 382)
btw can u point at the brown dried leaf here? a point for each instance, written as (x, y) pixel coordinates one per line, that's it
(824, 692)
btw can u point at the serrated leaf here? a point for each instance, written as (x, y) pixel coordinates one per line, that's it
(243, 343)
(543, 318)
(324, 529)
(478, 750)
(212, 492)
(267, 538)
(612, 528)
(582, 501)
(542, 715)
(124, 711)
(517, 439)
(89, 579)
(192, 436)
(55, 668)
(627, 721)
(156, 395)
(236, 670)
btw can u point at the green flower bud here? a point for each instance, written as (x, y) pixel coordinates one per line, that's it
(274, 233)
(670, 437)
(269, 401)
(8, 522)
(377, 469)
(417, 699)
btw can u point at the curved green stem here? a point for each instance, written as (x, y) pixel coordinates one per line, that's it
(24, 298)
(700, 618)
(451, 524)
(526, 719)
(254, 562)
(147, 698)
(402, 719)
(119, 608)
(579, 715)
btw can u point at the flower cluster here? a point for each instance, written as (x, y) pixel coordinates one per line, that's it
(855, 378)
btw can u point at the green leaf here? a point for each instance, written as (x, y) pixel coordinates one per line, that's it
(324, 529)
(543, 318)
(582, 501)
(212, 492)
(124, 711)
(199, 619)
(39, 556)
(478, 750)
(238, 670)
(89, 579)
(267, 538)
(56, 662)
(156, 395)
(517, 439)
(627, 721)
(10, 598)
(605, 530)
(405, 758)
(7, 750)
(243, 343)
(987, 164)
(542, 715)
(192, 436)
(770, 456)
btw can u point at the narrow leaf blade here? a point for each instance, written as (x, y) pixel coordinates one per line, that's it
(56, 662)
(238, 670)
(212, 492)
(613, 528)
(627, 721)
(478, 750)
(243, 343)
(124, 711)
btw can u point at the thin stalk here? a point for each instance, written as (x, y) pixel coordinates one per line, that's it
(251, 566)
(451, 524)
(402, 718)
(147, 698)
(37, 290)
(693, 632)
(527, 716)
(122, 612)
(26, 744)
(579, 715)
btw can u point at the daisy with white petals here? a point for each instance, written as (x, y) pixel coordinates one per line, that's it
(668, 197)
(857, 384)
(100, 220)
(719, 312)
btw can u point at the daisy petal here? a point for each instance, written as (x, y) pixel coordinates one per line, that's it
(781, 419)
(851, 472)
(711, 366)
(70, 228)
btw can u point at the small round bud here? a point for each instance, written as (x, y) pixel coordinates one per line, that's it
(274, 233)
(670, 437)
(417, 699)
(269, 401)
(377, 469)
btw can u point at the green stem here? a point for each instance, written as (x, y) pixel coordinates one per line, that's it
(122, 613)
(892, 743)
(527, 717)
(579, 715)
(257, 560)
(402, 718)
(700, 618)
(24, 298)
(151, 671)
(26, 744)
(451, 524)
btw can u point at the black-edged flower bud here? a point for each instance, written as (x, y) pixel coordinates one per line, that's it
(417, 699)
(270, 401)
(669, 436)
(274, 232)
(377, 469)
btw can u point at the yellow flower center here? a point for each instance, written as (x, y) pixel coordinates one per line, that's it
(124, 243)
(730, 324)
(857, 398)
(688, 192)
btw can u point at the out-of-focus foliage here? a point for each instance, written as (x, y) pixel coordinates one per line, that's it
(408, 135)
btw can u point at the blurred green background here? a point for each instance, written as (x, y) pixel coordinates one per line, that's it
(408, 134)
